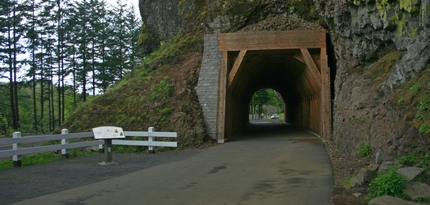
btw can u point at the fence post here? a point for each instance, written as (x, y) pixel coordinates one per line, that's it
(16, 146)
(64, 152)
(150, 139)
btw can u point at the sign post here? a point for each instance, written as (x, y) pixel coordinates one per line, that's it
(107, 133)
(108, 150)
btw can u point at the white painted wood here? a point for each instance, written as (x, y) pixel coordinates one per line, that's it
(32, 150)
(41, 138)
(144, 143)
(15, 146)
(64, 141)
(154, 134)
(64, 146)
(108, 132)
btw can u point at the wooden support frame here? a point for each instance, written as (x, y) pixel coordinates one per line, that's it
(315, 76)
(222, 98)
(310, 64)
(236, 71)
(326, 110)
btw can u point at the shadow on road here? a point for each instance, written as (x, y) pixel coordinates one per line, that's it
(264, 128)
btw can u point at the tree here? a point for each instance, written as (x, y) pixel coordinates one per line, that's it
(263, 97)
(83, 40)
(81, 18)
(12, 14)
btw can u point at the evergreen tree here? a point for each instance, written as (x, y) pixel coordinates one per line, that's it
(81, 17)
(12, 14)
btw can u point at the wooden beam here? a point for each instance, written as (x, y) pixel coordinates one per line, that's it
(222, 93)
(326, 119)
(272, 40)
(237, 68)
(310, 64)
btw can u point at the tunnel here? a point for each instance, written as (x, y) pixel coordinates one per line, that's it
(294, 63)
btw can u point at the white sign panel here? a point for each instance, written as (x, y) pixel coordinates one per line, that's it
(107, 132)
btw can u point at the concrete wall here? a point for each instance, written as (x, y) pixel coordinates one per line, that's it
(207, 87)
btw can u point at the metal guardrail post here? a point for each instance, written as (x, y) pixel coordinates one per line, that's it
(15, 146)
(150, 140)
(64, 152)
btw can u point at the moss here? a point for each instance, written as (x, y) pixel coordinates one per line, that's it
(411, 6)
(383, 6)
(379, 71)
(356, 2)
(178, 45)
(304, 8)
(425, 12)
(401, 22)
(415, 95)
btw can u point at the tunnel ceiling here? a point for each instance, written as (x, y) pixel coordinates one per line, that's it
(282, 70)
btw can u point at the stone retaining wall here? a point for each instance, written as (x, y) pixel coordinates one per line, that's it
(207, 87)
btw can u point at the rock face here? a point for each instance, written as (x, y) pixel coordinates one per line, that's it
(417, 190)
(375, 48)
(410, 172)
(360, 31)
(162, 15)
(389, 200)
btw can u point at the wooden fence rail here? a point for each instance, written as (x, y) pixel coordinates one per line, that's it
(16, 141)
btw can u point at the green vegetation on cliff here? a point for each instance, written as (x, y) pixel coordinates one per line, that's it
(413, 98)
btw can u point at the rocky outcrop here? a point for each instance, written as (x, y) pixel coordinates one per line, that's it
(389, 200)
(410, 172)
(162, 15)
(411, 189)
(416, 190)
(363, 31)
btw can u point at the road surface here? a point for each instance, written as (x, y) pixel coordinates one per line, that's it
(271, 163)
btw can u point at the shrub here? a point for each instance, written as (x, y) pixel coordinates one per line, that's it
(363, 149)
(408, 160)
(389, 183)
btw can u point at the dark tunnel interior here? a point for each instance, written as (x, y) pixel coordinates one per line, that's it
(283, 71)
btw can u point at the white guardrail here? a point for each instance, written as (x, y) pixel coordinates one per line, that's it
(17, 140)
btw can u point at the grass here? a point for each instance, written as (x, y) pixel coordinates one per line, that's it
(364, 149)
(389, 183)
(40, 158)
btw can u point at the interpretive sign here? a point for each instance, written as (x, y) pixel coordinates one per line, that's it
(108, 132)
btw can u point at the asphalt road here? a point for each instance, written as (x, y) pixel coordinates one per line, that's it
(271, 163)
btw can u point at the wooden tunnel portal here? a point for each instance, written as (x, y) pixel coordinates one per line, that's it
(294, 63)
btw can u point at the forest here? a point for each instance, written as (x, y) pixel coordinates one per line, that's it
(55, 55)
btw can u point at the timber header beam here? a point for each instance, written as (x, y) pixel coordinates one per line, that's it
(272, 40)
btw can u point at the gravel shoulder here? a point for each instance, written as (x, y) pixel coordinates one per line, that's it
(23, 183)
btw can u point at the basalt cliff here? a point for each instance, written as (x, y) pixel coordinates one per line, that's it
(379, 55)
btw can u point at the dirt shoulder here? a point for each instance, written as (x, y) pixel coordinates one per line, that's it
(343, 169)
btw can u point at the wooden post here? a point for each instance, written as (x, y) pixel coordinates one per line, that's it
(150, 140)
(325, 97)
(222, 98)
(64, 152)
(16, 146)
(108, 150)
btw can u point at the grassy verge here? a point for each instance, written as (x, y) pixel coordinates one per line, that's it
(40, 158)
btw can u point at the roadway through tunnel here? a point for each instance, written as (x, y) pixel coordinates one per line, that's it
(276, 164)
(294, 63)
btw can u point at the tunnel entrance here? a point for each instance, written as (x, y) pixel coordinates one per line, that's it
(294, 63)
(266, 104)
